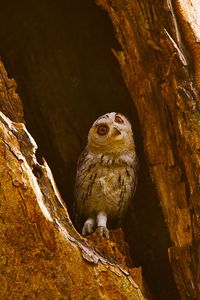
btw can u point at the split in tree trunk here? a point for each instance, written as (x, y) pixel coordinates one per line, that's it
(62, 94)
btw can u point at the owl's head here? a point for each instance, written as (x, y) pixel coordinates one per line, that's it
(111, 132)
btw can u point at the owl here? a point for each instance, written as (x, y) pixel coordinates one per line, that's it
(106, 174)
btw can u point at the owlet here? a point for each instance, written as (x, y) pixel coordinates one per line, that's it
(106, 174)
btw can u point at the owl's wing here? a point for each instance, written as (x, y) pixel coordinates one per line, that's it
(77, 207)
(135, 169)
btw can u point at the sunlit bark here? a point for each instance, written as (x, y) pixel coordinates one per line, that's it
(160, 50)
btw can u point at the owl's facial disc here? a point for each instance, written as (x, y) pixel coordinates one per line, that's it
(110, 132)
(105, 135)
(103, 130)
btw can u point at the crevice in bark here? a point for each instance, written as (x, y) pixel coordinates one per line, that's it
(148, 239)
(178, 159)
(60, 56)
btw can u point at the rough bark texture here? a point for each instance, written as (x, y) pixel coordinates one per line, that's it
(67, 76)
(41, 254)
(158, 73)
(10, 103)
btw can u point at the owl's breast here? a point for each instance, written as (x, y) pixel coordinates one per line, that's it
(113, 190)
(105, 187)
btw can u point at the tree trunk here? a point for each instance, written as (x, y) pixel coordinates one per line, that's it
(41, 254)
(158, 71)
(60, 56)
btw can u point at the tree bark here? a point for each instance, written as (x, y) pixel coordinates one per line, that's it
(160, 50)
(41, 254)
(10, 102)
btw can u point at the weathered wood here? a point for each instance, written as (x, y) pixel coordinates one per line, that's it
(10, 102)
(158, 72)
(160, 64)
(116, 250)
(41, 254)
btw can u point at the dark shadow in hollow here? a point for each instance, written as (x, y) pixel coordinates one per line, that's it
(59, 52)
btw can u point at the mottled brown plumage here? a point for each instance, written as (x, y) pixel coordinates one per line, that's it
(106, 174)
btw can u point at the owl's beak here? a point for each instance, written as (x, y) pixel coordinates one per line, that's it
(115, 132)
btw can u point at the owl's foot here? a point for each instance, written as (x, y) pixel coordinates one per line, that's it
(88, 227)
(102, 231)
(101, 225)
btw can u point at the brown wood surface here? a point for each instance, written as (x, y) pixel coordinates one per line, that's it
(41, 254)
(10, 102)
(157, 70)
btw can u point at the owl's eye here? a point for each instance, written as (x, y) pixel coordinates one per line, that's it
(119, 120)
(102, 129)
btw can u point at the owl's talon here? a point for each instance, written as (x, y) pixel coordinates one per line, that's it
(102, 231)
